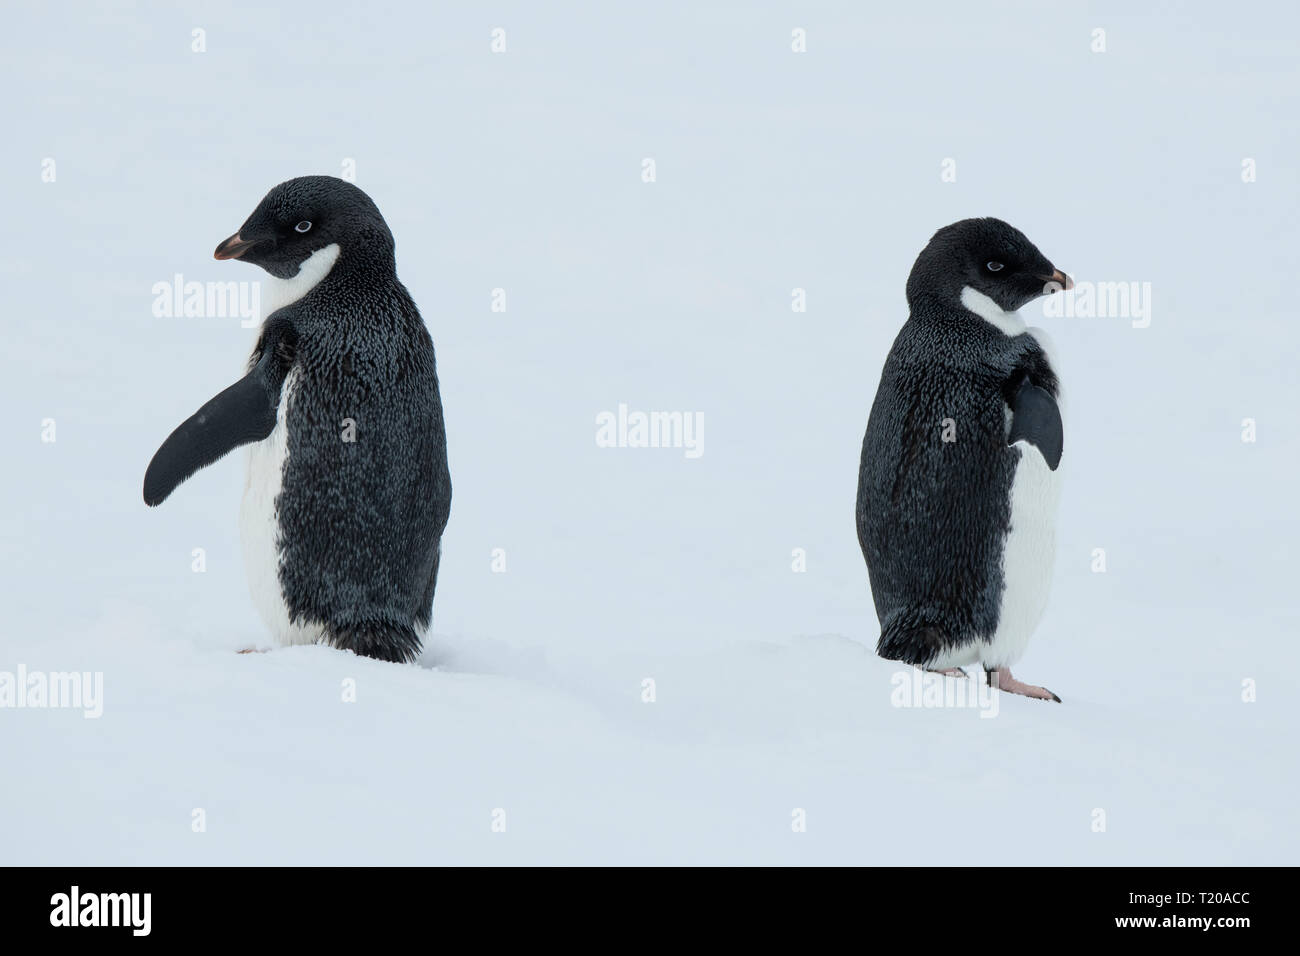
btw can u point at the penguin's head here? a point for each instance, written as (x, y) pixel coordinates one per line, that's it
(303, 216)
(988, 256)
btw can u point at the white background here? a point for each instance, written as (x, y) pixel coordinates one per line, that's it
(776, 170)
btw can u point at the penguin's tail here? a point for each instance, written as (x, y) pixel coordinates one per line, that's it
(904, 638)
(381, 639)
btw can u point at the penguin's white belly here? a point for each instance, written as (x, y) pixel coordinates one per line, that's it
(259, 527)
(1027, 557)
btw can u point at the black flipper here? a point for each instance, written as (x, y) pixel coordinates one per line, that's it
(1036, 419)
(243, 413)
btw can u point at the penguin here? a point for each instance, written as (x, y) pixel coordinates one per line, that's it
(347, 490)
(960, 471)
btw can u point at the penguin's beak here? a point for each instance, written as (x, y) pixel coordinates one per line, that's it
(1058, 277)
(234, 247)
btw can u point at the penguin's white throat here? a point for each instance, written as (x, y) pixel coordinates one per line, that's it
(281, 292)
(1008, 323)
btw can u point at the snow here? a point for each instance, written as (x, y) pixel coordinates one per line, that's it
(775, 171)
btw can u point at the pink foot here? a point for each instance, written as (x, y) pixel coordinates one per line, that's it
(251, 650)
(948, 671)
(1002, 680)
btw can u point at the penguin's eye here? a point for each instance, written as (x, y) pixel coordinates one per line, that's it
(305, 225)
(992, 266)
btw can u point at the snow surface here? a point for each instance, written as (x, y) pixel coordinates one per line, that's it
(776, 171)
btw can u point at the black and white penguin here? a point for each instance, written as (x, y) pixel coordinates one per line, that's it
(959, 478)
(348, 490)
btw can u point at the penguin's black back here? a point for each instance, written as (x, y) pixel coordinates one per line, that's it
(361, 521)
(932, 516)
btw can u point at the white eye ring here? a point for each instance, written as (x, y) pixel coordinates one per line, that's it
(302, 226)
(995, 267)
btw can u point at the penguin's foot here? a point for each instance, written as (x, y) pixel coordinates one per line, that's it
(1002, 680)
(252, 650)
(947, 671)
